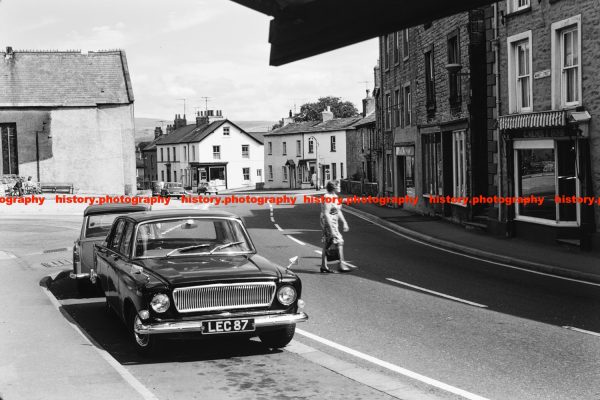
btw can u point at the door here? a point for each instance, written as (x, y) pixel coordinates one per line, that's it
(10, 159)
(113, 259)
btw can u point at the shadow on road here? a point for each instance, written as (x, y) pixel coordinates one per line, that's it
(108, 332)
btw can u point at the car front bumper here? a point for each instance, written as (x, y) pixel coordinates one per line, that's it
(260, 321)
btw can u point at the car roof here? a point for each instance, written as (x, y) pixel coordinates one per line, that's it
(115, 208)
(178, 213)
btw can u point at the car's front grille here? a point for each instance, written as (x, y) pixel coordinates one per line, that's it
(228, 296)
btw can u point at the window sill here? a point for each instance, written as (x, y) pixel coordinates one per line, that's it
(518, 12)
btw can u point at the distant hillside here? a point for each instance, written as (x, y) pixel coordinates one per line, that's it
(144, 127)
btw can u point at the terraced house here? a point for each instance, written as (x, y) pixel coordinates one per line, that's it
(549, 108)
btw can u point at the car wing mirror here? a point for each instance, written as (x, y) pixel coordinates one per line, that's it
(293, 261)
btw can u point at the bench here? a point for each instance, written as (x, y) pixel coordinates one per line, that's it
(55, 187)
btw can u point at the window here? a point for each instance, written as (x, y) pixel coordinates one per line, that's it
(547, 168)
(388, 171)
(270, 172)
(245, 151)
(396, 110)
(284, 148)
(405, 44)
(298, 148)
(518, 5)
(333, 171)
(217, 152)
(118, 235)
(285, 173)
(459, 164)
(332, 143)
(519, 73)
(566, 63)
(429, 80)
(193, 153)
(162, 155)
(174, 176)
(9, 155)
(397, 40)
(162, 176)
(453, 78)
(386, 52)
(246, 173)
(406, 105)
(388, 110)
(168, 154)
(432, 163)
(174, 155)
(259, 173)
(270, 148)
(225, 131)
(311, 146)
(341, 170)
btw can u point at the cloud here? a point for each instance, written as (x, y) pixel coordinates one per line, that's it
(179, 21)
(99, 38)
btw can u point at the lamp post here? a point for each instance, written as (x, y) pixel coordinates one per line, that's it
(316, 159)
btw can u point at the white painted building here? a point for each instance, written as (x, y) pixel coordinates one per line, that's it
(214, 150)
(291, 152)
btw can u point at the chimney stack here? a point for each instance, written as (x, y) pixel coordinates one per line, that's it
(157, 132)
(9, 53)
(327, 115)
(179, 122)
(288, 120)
(368, 104)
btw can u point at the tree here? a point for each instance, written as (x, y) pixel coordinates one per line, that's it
(339, 108)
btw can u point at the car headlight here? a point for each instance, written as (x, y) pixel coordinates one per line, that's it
(286, 295)
(160, 303)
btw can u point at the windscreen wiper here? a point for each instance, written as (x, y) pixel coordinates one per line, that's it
(223, 246)
(182, 249)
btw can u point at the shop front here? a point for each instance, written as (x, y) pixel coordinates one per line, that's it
(548, 170)
(213, 174)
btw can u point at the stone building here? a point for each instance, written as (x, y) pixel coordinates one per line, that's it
(549, 108)
(67, 117)
(361, 145)
(432, 113)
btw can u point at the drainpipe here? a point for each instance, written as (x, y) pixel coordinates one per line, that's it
(498, 103)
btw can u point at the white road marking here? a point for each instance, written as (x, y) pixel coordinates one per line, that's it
(278, 228)
(125, 374)
(272, 220)
(296, 240)
(572, 328)
(437, 293)
(472, 257)
(392, 367)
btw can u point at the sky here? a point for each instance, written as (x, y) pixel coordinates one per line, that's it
(190, 49)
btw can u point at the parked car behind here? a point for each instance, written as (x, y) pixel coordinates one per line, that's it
(97, 222)
(207, 188)
(172, 189)
(196, 272)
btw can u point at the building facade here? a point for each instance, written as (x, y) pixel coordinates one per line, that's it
(549, 108)
(299, 151)
(432, 113)
(68, 117)
(361, 145)
(214, 150)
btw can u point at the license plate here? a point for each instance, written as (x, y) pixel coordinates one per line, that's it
(227, 326)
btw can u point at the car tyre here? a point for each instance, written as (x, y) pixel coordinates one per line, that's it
(278, 338)
(145, 345)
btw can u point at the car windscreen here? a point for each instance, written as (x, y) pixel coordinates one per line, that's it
(191, 236)
(98, 225)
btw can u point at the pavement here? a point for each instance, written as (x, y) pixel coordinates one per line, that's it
(548, 259)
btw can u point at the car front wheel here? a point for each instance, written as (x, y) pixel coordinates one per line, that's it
(144, 344)
(278, 338)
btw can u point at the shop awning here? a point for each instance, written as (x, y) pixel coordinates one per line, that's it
(306, 161)
(304, 28)
(539, 120)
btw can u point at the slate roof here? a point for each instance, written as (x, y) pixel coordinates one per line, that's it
(336, 124)
(369, 119)
(64, 79)
(193, 134)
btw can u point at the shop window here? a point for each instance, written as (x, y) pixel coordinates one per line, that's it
(8, 139)
(432, 164)
(459, 163)
(545, 169)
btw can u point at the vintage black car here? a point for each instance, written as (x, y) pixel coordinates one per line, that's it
(182, 271)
